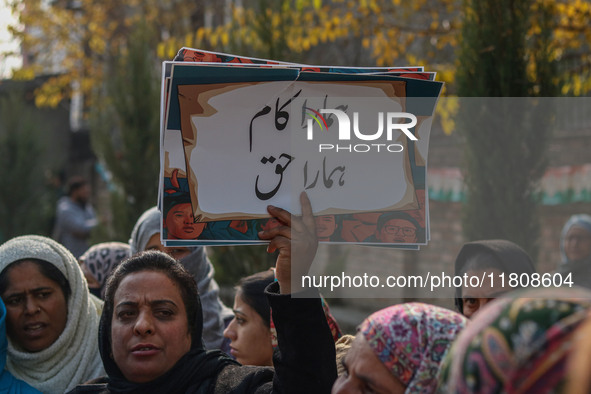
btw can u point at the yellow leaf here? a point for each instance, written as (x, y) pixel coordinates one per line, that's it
(189, 40)
(225, 38)
(23, 74)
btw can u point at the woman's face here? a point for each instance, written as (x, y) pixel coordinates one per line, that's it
(251, 338)
(476, 297)
(325, 227)
(36, 308)
(180, 223)
(365, 373)
(176, 252)
(577, 244)
(149, 327)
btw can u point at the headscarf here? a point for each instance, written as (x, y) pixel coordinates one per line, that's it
(581, 220)
(195, 372)
(579, 361)
(575, 271)
(147, 225)
(342, 347)
(517, 344)
(8, 383)
(198, 265)
(73, 358)
(100, 259)
(510, 258)
(411, 340)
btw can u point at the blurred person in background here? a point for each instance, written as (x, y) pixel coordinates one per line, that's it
(575, 250)
(75, 218)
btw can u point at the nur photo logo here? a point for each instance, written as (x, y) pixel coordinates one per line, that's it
(389, 126)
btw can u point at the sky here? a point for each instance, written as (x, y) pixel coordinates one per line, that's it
(7, 43)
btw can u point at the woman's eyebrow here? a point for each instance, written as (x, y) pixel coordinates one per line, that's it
(369, 381)
(162, 302)
(41, 289)
(153, 304)
(126, 303)
(18, 293)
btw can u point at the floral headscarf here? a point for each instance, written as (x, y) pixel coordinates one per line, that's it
(518, 344)
(411, 340)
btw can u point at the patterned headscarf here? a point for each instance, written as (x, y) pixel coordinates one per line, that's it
(101, 259)
(518, 344)
(411, 340)
(579, 363)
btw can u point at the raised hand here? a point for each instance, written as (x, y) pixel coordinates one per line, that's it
(296, 242)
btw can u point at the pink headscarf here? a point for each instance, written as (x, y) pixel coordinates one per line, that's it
(411, 340)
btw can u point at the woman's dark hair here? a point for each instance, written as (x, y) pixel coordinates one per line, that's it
(502, 254)
(159, 262)
(252, 291)
(485, 260)
(46, 269)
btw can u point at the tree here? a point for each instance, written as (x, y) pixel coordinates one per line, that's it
(26, 203)
(125, 131)
(354, 33)
(504, 154)
(85, 37)
(80, 39)
(99, 57)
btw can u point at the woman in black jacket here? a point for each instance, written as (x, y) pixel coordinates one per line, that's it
(150, 331)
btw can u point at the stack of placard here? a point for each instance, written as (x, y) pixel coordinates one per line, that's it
(239, 134)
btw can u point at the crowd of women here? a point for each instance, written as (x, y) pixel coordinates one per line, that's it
(143, 317)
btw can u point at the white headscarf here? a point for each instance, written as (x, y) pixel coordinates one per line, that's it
(74, 357)
(580, 220)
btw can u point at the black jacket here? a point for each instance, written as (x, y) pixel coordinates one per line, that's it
(304, 363)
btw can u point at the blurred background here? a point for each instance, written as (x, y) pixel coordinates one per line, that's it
(80, 95)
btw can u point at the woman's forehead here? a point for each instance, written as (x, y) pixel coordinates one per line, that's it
(578, 230)
(146, 284)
